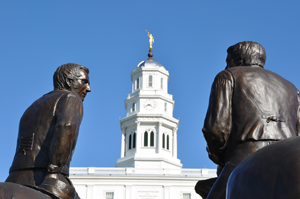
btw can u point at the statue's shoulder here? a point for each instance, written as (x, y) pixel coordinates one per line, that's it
(70, 97)
(69, 101)
(72, 94)
(240, 71)
(63, 94)
(224, 74)
(63, 98)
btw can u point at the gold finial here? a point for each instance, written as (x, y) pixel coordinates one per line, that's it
(151, 40)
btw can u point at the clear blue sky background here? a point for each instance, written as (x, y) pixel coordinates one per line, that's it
(191, 39)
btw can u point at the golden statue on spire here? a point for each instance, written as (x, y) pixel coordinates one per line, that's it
(151, 40)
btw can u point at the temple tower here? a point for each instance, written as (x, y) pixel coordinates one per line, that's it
(149, 131)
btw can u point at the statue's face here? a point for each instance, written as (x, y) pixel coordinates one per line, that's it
(81, 85)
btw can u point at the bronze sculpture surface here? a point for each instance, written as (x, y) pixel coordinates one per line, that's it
(249, 108)
(272, 172)
(48, 134)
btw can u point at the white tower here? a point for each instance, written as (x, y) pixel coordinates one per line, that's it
(149, 131)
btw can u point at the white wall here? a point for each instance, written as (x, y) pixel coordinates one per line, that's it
(92, 183)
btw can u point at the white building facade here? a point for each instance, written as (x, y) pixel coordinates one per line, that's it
(148, 167)
(133, 183)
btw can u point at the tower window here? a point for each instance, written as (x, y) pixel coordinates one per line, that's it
(186, 196)
(138, 83)
(151, 138)
(163, 141)
(166, 107)
(129, 147)
(146, 138)
(133, 107)
(134, 138)
(150, 81)
(168, 142)
(109, 195)
(162, 83)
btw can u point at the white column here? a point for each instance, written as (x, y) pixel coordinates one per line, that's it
(159, 137)
(124, 192)
(167, 192)
(123, 142)
(132, 86)
(138, 136)
(128, 192)
(90, 191)
(175, 142)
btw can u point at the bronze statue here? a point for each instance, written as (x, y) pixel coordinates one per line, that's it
(249, 108)
(48, 134)
(272, 172)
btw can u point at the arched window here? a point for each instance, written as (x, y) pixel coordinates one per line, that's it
(151, 138)
(138, 83)
(163, 140)
(133, 107)
(150, 81)
(162, 83)
(129, 147)
(166, 107)
(168, 142)
(134, 138)
(146, 138)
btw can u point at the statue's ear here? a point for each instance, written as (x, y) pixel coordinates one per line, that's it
(231, 63)
(69, 81)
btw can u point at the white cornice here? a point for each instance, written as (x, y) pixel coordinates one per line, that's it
(143, 96)
(127, 173)
(161, 70)
(124, 161)
(142, 116)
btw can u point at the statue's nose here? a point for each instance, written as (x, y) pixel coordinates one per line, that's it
(88, 88)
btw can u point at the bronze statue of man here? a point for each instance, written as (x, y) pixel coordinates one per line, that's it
(249, 108)
(48, 134)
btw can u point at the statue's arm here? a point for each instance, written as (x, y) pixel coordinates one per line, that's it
(69, 114)
(218, 121)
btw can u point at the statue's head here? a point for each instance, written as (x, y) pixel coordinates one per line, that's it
(72, 77)
(246, 53)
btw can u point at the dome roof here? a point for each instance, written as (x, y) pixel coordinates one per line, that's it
(151, 63)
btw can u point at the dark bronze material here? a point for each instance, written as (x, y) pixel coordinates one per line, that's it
(272, 172)
(249, 108)
(203, 186)
(48, 134)
(10, 190)
(26, 144)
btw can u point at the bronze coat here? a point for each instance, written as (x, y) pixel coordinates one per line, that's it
(48, 132)
(248, 104)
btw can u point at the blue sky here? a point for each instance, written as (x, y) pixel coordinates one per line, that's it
(108, 37)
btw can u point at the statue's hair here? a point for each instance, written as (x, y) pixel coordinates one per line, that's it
(247, 53)
(71, 71)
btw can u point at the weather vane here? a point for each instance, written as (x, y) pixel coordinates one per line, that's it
(151, 40)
